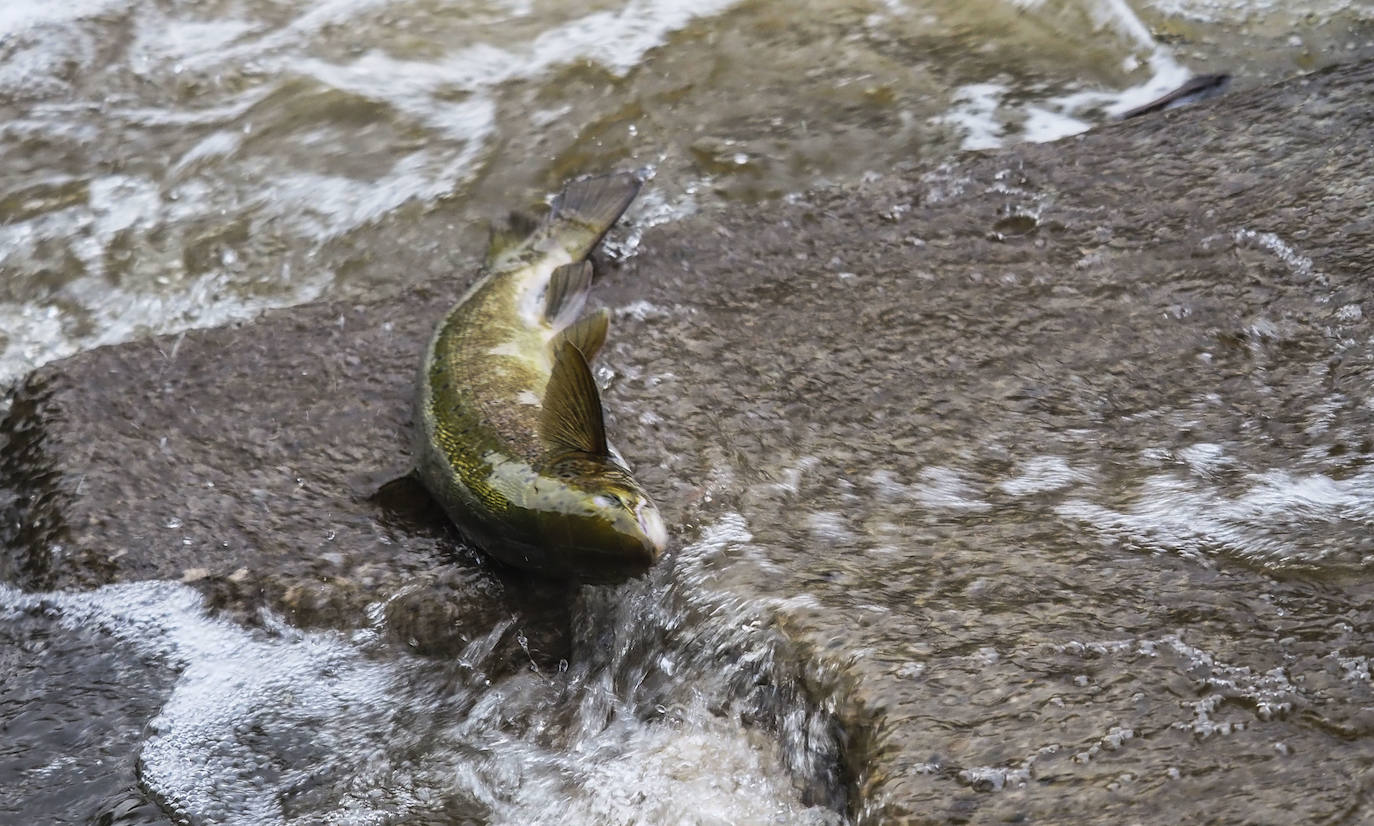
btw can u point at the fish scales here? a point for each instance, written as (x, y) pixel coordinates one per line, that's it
(509, 436)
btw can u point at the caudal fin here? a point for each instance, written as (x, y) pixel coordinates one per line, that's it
(578, 218)
(586, 209)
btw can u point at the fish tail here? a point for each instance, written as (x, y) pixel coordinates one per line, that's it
(585, 209)
(578, 218)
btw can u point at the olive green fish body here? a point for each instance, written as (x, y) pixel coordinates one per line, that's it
(509, 436)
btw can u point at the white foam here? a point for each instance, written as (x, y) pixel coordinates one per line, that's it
(1270, 692)
(1267, 693)
(995, 778)
(829, 527)
(975, 112)
(649, 776)
(1190, 517)
(936, 487)
(19, 16)
(323, 206)
(36, 335)
(979, 109)
(118, 202)
(1118, 15)
(194, 757)
(615, 40)
(316, 16)
(1204, 457)
(162, 40)
(886, 486)
(283, 726)
(1167, 74)
(650, 210)
(943, 488)
(1044, 124)
(216, 146)
(1044, 474)
(1269, 11)
(1300, 265)
(217, 176)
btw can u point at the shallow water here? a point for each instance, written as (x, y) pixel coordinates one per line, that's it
(279, 725)
(1091, 540)
(1053, 603)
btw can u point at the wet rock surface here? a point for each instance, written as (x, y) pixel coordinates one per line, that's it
(1053, 462)
(1062, 454)
(253, 462)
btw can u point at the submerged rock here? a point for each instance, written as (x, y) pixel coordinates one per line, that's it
(1054, 463)
(249, 461)
(1060, 455)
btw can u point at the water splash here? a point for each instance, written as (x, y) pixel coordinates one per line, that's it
(992, 112)
(680, 705)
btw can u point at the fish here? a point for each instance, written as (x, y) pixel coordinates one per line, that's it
(510, 435)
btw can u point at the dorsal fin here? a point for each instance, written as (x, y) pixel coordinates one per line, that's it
(587, 334)
(511, 233)
(572, 418)
(566, 293)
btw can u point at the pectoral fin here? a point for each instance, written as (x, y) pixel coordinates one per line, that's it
(566, 294)
(572, 417)
(587, 334)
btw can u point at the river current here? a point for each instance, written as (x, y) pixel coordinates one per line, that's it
(169, 165)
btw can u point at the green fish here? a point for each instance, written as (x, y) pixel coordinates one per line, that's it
(509, 436)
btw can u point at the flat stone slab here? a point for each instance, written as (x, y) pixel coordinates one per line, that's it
(247, 460)
(1053, 464)
(1060, 456)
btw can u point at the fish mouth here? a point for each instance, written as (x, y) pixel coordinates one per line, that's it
(630, 551)
(651, 523)
(595, 548)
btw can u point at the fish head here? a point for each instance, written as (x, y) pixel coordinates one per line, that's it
(601, 524)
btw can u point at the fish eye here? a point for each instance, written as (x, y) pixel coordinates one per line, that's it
(611, 501)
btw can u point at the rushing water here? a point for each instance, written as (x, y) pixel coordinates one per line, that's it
(181, 164)
(166, 165)
(280, 725)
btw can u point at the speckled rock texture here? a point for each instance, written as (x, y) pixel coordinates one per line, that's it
(251, 461)
(1055, 462)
